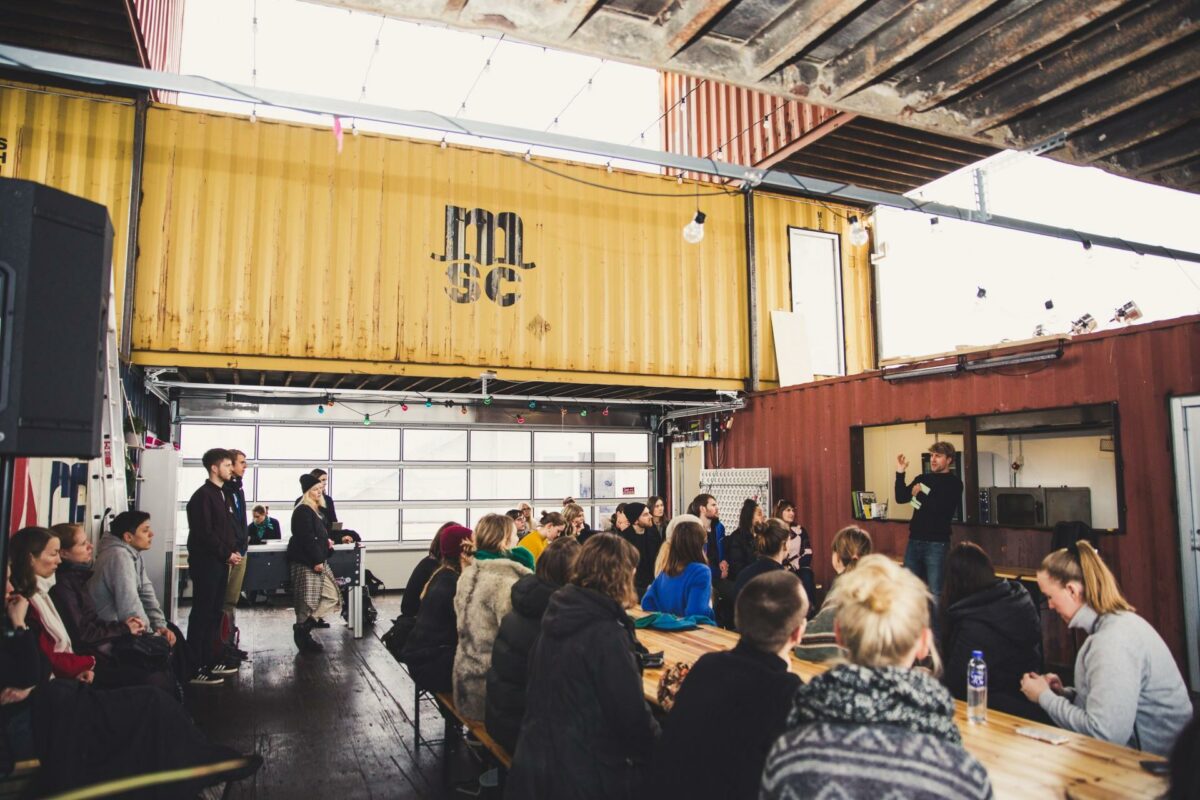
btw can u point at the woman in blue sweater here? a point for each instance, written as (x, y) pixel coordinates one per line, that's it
(684, 587)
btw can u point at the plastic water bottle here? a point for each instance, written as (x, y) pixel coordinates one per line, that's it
(976, 688)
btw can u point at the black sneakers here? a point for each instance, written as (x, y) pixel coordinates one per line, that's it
(205, 677)
(302, 634)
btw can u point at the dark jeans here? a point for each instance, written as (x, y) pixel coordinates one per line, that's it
(926, 560)
(208, 597)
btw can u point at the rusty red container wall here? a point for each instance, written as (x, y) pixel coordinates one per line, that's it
(703, 117)
(159, 28)
(803, 435)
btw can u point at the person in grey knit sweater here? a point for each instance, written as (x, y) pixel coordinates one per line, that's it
(875, 726)
(1128, 689)
(119, 585)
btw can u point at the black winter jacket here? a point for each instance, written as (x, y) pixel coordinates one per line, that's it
(729, 711)
(309, 544)
(647, 544)
(89, 634)
(410, 601)
(237, 496)
(210, 524)
(587, 731)
(1002, 622)
(429, 649)
(739, 551)
(509, 673)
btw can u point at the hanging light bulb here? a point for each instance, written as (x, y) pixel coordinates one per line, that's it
(320, 409)
(693, 232)
(463, 410)
(980, 293)
(858, 233)
(487, 401)
(604, 413)
(533, 405)
(254, 115)
(520, 419)
(608, 168)
(366, 419)
(404, 406)
(428, 403)
(583, 412)
(442, 143)
(354, 127)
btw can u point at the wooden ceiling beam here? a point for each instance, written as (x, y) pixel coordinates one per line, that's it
(1001, 46)
(1161, 115)
(913, 29)
(792, 33)
(686, 23)
(1184, 176)
(1105, 99)
(1116, 45)
(819, 132)
(1179, 146)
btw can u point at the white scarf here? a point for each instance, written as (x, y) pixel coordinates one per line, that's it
(51, 622)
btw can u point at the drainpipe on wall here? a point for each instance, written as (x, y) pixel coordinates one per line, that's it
(752, 384)
(131, 234)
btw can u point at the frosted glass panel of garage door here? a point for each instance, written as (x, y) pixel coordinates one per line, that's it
(477, 514)
(195, 439)
(626, 484)
(500, 445)
(364, 483)
(366, 444)
(435, 444)
(617, 447)
(279, 486)
(562, 446)
(190, 479)
(372, 524)
(423, 523)
(293, 443)
(555, 484)
(499, 484)
(434, 484)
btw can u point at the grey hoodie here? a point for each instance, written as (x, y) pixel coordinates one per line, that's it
(120, 587)
(1128, 689)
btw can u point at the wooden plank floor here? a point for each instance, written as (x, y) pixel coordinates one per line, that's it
(336, 724)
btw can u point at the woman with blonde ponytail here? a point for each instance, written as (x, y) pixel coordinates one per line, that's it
(819, 644)
(1128, 689)
(873, 726)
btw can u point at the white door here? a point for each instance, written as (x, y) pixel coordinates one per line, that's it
(816, 267)
(687, 459)
(1185, 424)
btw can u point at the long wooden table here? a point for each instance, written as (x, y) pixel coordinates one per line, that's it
(1020, 767)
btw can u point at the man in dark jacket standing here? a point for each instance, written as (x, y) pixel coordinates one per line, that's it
(934, 496)
(734, 705)
(237, 496)
(212, 550)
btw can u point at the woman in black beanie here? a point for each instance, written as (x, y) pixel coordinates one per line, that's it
(314, 592)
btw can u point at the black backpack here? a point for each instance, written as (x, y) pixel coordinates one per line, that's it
(397, 635)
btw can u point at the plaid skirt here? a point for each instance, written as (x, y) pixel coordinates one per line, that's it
(314, 594)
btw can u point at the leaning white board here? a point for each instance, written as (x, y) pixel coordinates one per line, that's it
(793, 359)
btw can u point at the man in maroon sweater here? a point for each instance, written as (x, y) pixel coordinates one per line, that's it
(211, 552)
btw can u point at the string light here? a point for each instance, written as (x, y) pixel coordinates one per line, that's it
(463, 410)
(586, 86)
(320, 409)
(604, 413)
(583, 412)
(486, 66)
(533, 405)
(404, 406)
(520, 419)
(366, 419)
(693, 232)
(858, 233)
(428, 403)
(487, 401)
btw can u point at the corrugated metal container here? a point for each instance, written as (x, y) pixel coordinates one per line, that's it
(160, 27)
(261, 245)
(803, 435)
(703, 117)
(78, 143)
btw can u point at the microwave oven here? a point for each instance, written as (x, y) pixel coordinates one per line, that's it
(1034, 506)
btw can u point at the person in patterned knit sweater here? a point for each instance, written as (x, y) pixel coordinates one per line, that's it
(875, 726)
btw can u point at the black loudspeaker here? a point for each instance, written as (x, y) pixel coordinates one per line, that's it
(55, 279)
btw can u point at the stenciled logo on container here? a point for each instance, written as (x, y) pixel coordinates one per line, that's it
(487, 267)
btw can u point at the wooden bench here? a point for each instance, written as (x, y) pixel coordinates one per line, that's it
(478, 731)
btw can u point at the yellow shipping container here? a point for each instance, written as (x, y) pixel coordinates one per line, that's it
(262, 247)
(79, 143)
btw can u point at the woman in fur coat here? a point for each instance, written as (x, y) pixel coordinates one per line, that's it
(484, 596)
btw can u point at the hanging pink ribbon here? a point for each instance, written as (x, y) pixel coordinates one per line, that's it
(337, 132)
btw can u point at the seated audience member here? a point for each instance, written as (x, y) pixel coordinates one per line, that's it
(770, 543)
(429, 650)
(410, 601)
(549, 528)
(117, 664)
(739, 545)
(658, 514)
(645, 539)
(799, 548)
(660, 563)
(484, 597)
(263, 528)
(1128, 688)
(734, 705)
(518, 516)
(986, 613)
(684, 588)
(576, 520)
(509, 673)
(875, 726)
(120, 586)
(84, 736)
(819, 643)
(587, 731)
(34, 558)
